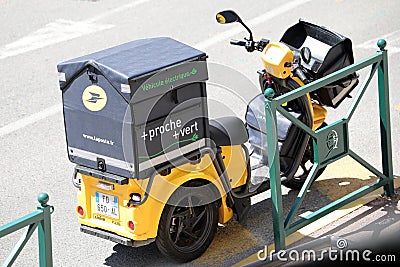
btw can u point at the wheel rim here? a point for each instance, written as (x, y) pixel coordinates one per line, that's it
(190, 224)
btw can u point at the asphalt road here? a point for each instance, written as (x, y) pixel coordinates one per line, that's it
(36, 35)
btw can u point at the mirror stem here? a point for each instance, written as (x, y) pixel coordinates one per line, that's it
(248, 29)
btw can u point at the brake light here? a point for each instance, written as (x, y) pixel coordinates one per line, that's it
(80, 211)
(131, 225)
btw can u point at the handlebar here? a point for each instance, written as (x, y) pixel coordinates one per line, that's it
(251, 45)
(299, 73)
(237, 42)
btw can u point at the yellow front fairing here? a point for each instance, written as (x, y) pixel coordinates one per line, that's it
(274, 57)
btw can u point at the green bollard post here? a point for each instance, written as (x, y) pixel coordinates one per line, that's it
(274, 171)
(384, 114)
(44, 232)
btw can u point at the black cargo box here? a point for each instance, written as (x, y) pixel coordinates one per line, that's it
(330, 52)
(135, 107)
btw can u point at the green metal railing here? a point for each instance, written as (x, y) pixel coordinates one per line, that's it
(324, 153)
(39, 219)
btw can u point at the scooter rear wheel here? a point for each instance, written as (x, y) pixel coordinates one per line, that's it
(188, 223)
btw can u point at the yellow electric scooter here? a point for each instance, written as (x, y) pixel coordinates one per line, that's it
(179, 203)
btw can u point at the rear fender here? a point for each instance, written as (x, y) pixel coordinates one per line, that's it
(166, 186)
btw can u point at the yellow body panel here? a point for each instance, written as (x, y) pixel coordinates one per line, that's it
(147, 215)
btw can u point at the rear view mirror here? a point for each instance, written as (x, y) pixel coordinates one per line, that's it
(227, 16)
(306, 54)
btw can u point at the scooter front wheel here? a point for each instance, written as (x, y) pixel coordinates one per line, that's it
(188, 223)
(305, 168)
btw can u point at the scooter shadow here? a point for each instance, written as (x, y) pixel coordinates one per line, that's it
(233, 241)
(149, 255)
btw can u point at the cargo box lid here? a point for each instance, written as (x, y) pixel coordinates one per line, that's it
(130, 60)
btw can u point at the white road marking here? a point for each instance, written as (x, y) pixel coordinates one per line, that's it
(52, 33)
(251, 23)
(392, 39)
(116, 10)
(19, 124)
(60, 31)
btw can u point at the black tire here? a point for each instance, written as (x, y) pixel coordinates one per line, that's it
(308, 158)
(188, 222)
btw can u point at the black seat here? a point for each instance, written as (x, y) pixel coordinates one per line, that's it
(228, 131)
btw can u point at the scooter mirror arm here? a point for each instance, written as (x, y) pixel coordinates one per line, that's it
(248, 29)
